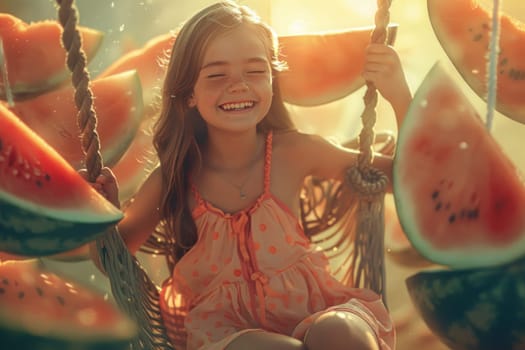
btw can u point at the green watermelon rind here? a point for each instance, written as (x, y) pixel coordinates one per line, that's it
(37, 233)
(462, 257)
(477, 308)
(96, 209)
(15, 339)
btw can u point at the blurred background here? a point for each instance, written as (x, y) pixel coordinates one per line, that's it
(128, 24)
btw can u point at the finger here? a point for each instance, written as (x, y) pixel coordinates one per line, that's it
(379, 48)
(107, 172)
(106, 176)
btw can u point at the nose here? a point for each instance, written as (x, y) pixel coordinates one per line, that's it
(238, 84)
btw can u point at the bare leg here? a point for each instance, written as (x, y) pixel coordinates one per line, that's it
(340, 331)
(265, 341)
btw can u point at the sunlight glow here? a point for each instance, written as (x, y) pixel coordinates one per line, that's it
(297, 26)
(362, 8)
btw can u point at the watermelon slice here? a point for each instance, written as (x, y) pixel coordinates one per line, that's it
(46, 207)
(477, 309)
(463, 29)
(40, 310)
(147, 61)
(324, 67)
(117, 102)
(474, 216)
(34, 55)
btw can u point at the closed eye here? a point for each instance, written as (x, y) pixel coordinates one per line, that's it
(217, 75)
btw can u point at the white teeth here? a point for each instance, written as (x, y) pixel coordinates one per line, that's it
(237, 106)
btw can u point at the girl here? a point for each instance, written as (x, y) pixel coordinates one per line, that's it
(231, 169)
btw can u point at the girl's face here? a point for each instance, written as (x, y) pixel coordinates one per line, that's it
(233, 91)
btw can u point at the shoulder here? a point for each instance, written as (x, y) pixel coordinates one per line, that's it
(300, 143)
(313, 154)
(297, 140)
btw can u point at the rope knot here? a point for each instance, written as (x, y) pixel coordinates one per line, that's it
(368, 181)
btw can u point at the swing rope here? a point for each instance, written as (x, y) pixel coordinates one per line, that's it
(492, 64)
(370, 184)
(132, 289)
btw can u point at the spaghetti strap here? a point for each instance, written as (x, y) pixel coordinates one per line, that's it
(195, 192)
(268, 162)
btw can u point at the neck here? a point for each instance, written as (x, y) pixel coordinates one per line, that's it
(233, 151)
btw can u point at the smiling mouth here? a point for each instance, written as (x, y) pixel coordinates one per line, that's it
(237, 106)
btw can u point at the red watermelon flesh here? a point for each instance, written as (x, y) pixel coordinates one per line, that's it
(38, 307)
(324, 67)
(34, 55)
(459, 199)
(118, 106)
(46, 207)
(463, 29)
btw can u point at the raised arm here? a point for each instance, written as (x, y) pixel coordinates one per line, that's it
(383, 68)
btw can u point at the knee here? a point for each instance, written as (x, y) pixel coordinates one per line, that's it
(340, 330)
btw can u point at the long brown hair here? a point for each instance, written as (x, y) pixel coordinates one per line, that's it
(180, 130)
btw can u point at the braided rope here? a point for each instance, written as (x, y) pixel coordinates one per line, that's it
(370, 184)
(492, 64)
(132, 289)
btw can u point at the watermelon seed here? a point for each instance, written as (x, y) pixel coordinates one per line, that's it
(515, 74)
(438, 206)
(5, 281)
(2, 290)
(61, 300)
(435, 194)
(477, 37)
(21, 295)
(39, 291)
(38, 183)
(452, 218)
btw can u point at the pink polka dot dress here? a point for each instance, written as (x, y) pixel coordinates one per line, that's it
(255, 270)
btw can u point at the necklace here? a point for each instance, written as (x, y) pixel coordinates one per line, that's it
(240, 186)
